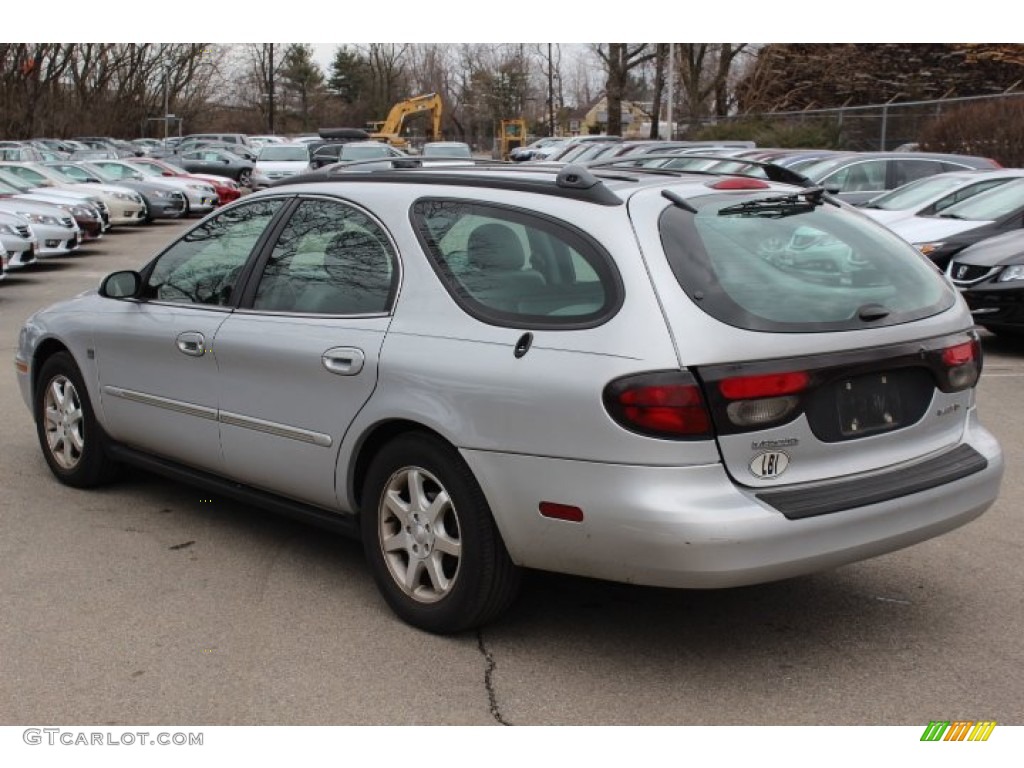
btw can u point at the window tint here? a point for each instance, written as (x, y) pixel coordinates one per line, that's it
(331, 259)
(203, 266)
(509, 267)
(796, 267)
(912, 170)
(868, 176)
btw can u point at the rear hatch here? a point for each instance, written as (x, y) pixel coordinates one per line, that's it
(824, 346)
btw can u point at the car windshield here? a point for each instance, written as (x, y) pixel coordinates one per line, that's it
(915, 193)
(792, 263)
(449, 150)
(10, 180)
(277, 153)
(989, 205)
(102, 176)
(61, 174)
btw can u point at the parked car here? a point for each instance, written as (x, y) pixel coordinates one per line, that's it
(200, 197)
(227, 138)
(216, 162)
(279, 161)
(944, 234)
(447, 149)
(859, 176)
(53, 228)
(522, 154)
(162, 201)
(990, 276)
(933, 194)
(95, 210)
(86, 217)
(592, 373)
(17, 240)
(226, 189)
(124, 206)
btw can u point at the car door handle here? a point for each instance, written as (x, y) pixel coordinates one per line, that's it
(191, 343)
(344, 361)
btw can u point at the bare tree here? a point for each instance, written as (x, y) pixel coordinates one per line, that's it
(619, 59)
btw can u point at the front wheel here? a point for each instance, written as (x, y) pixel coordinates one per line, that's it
(71, 438)
(430, 539)
(245, 179)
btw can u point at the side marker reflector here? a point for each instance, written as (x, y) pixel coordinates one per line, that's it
(561, 512)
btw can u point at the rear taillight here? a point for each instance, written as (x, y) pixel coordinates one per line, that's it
(962, 364)
(742, 182)
(763, 400)
(665, 404)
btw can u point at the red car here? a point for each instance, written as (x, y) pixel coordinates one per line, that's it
(227, 190)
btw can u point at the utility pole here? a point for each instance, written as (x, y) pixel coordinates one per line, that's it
(167, 101)
(671, 87)
(551, 96)
(270, 89)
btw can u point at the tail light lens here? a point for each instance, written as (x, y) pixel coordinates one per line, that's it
(962, 364)
(666, 404)
(763, 400)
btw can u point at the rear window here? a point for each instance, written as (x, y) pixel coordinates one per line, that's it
(770, 262)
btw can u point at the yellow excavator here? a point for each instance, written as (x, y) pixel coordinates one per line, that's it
(391, 129)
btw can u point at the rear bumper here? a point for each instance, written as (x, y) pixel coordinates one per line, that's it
(693, 527)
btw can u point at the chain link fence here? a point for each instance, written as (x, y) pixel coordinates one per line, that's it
(873, 126)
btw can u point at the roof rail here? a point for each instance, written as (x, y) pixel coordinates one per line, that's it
(774, 172)
(573, 182)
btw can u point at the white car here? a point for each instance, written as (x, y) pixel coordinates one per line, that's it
(279, 161)
(933, 194)
(54, 228)
(17, 240)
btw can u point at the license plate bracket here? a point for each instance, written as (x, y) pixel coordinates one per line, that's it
(869, 404)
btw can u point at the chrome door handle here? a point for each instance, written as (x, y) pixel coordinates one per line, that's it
(344, 361)
(191, 343)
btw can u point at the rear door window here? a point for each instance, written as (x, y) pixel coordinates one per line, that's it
(771, 262)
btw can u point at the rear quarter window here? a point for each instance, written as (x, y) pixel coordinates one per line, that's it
(517, 268)
(797, 267)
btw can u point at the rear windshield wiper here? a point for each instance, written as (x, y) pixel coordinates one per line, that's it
(772, 207)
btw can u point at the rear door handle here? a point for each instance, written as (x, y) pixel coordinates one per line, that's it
(191, 343)
(344, 361)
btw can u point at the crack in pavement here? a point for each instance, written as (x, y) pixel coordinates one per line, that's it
(492, 697)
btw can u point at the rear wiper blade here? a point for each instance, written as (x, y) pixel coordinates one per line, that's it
(779, 206)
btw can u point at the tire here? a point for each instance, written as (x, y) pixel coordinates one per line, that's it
(245, 179)
(72, 441)
(448, 570)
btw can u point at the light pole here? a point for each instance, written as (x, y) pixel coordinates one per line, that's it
(167, 101)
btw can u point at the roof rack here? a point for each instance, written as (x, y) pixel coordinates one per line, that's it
(570, 181)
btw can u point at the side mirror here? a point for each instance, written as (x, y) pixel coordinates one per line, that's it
(121, 285)
(225, 161)
(833, 189)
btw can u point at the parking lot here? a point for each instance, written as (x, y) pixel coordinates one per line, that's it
(152, 602)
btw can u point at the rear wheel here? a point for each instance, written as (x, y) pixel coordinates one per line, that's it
(430, 539)
(71, 438)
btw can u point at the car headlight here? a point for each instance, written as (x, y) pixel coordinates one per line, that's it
(200, 188)
(928, 248)
(1012, 272)
(38, 218)
(81, 212)
(161, 193)
(125, 196)
(7, 229)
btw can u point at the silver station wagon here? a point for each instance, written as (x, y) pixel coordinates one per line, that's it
(656, 377)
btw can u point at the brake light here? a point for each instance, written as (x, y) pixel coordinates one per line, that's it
(740, 183)
(768, 385)
(963, 364)
(664, 404)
